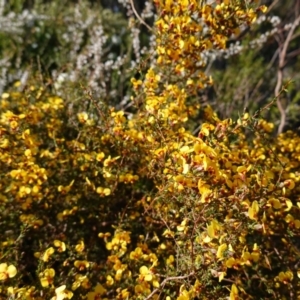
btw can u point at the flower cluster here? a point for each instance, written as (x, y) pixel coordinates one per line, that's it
(100, 205)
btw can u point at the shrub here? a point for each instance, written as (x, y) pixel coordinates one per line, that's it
(106, 204)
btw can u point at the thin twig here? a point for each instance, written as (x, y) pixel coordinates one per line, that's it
(138, 16)
(258, 112)
(166, 280)
(293, 53)
(282, 61)
(272, 5)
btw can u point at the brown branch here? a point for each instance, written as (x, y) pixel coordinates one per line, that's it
(282, 58)
(138, 16)
(165, 281)
(293, 53)
(272, 5)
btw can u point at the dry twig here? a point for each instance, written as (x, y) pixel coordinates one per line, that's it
(282, 62)
(165, 281)
(138, 16)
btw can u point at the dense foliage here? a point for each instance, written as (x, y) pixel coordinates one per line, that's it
(100, 201)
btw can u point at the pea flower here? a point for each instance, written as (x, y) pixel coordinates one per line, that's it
(7, 271)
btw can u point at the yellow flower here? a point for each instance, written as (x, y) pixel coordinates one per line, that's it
(7, 271)
(60, 245)
(142, 288)
(234, 292)
(82, 117)
(80, 247)
(170, 260)
(109, 161)
(136, 254)
(182, 226)
(285, 277)
(221, 250)
(14, 124)
(104, 235)
(184, 295)
(80, 280)
(263, 8)
(109, 280)
(213, 228)
(21, 293)
(136, 83)
(81, 264)
(253, 210)
(47, 254)
(100, 156)
(290, 184)
(206, 128)
(231, 262)
(98, 292)
(46, 277)
(125, 294)
(103, 191)
(62, 293)
(145, 274)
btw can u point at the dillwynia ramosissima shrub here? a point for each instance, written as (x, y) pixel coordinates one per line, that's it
(107, 205)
